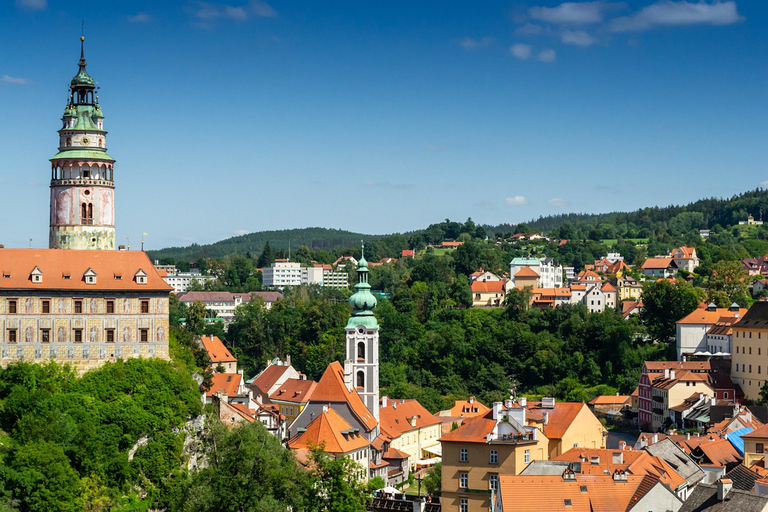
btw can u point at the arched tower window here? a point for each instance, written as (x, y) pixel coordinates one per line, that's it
(361, 351)
(86, 213)
(69, 141)
(360, 379)
(101, 143)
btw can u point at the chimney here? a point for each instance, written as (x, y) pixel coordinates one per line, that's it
(508, 403)
(471, 399)
(655, 439)
(497, 411)
(522, 401)
(620, 476)
(622, 445)
(288, 360)
(723, 487)
(688, 436)
(384, 401)
(666, 373)
(684, 358)
(546, 418)
(325, 408)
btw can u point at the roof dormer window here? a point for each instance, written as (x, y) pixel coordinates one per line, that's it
(89, 276)
(66, 276)
(118, 277)
(141, 277)
(36, 275)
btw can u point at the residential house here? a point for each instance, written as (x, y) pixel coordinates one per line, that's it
(673, 389)
(223, 304)
(271, 378)
(483, 275)
(589, 279)
(755, 266)
(628, 288)
(750, 364)
(671, 453)
(219, 355)
(412, 429)
(692, 329)
(336, 437)
(526, 277)
(500, 442)
(450, 245)
(659, 267)
(548, 298)
(548, 273)
(551, 273)
(654, 370)
(717, 451)
(488, 294)
(755, 444)
(566, 425)
(180, 281)
(617, 492)
(751, 221)
(408, 253)
(685, 258)
(612, 404)
(291, 396)
(594, 298)
(231, 385)
(466, 409)
(721, 497)
(719, 337)
(610, 295)
(631, 307)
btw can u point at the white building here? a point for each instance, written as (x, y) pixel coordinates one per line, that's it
(323, 275)
(692, 329)
(225, 303)
(181, 280)
(550, 272)
(282, 273)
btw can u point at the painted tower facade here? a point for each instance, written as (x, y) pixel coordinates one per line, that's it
(82, 180)
(361, 368)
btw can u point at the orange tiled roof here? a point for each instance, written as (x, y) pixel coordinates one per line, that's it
(57, 264)
(331, 388)
(687, 252)
(488, 286)
(526, 272)
(535, 493)
(398, 415)
(271, 374)
(548, 292)
(560, 417)
(473, 430)
(295, 390)
(217, 352)
(761, 432)
(608, 287)
(720, 452)
(610, 400)
(656, 263)
(327, 430)
(225, 382)
(711, 317)
(466, 409)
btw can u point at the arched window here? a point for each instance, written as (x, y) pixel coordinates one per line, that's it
(101, 143)
(361, 351)
(86, 213)
(360, 379)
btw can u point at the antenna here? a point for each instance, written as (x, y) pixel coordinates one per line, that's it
(82, 28)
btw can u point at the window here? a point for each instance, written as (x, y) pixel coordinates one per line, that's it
(78, 306)
(144, 335)
(494, 482)
(12, 306)
(78, 335)
(494, 457)
(464, 455)
(86, 210)
(464, 505)
(464, 480)
(110, 306)
(527, 456)
(360, 379)
(145, 306)
(46, 306)
(725, 395)
(11, 335)
(567, 503)
(110, 335)
(759, 448)
(45, 335)
(361, 351)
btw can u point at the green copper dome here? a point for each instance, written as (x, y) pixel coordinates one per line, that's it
(362, 301)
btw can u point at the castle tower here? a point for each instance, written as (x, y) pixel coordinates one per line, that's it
(82, 181)
(361, 368)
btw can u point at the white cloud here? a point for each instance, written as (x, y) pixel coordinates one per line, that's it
(15, 80)
(547, 55)
(666, 13)
(556, 201)
(520, 50)
(572, 13)
(141, 17)
(516, 200)
(473, 44)
(35, 5)
(764, 184)
(529, 29)
(210, 11)
(577, 37)
(241, 232)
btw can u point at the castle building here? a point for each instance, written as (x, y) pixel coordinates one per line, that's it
(82, 173)
(87, 304)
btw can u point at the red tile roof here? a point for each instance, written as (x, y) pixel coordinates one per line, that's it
(656, 263)
(488, 286)
(217, 352)
(466, 409)
(560, 417)
(399, 414)
(710, 317)
(331, 388)
(526, 272)
(610, 400)
(327, 430)
(225, 382)
(295, 390)
(65, 270)
(269, 377)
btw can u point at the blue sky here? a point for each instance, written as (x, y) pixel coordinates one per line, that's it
(227, 118)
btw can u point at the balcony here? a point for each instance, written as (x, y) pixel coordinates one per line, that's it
(511, 438)
(658, 410)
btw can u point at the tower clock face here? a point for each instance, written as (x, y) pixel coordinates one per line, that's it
(84, 141)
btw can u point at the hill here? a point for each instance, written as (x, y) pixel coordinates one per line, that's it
(320, 239)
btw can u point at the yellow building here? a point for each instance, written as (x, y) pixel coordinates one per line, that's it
(411, 428)
(672, 390)
(500, 442)
(749, 359)
(567, 425)
(755, 444)
(629, 288)
(81, 307)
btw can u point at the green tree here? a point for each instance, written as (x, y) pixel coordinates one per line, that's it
(336, 484)
(196, 314)
(664, 303)
(266, 258)
(730, 278)
(433, 482)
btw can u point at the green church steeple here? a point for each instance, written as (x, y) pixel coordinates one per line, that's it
(362, 301)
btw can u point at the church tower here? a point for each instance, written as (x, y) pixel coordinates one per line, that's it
(361, 368)
(82, 180)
